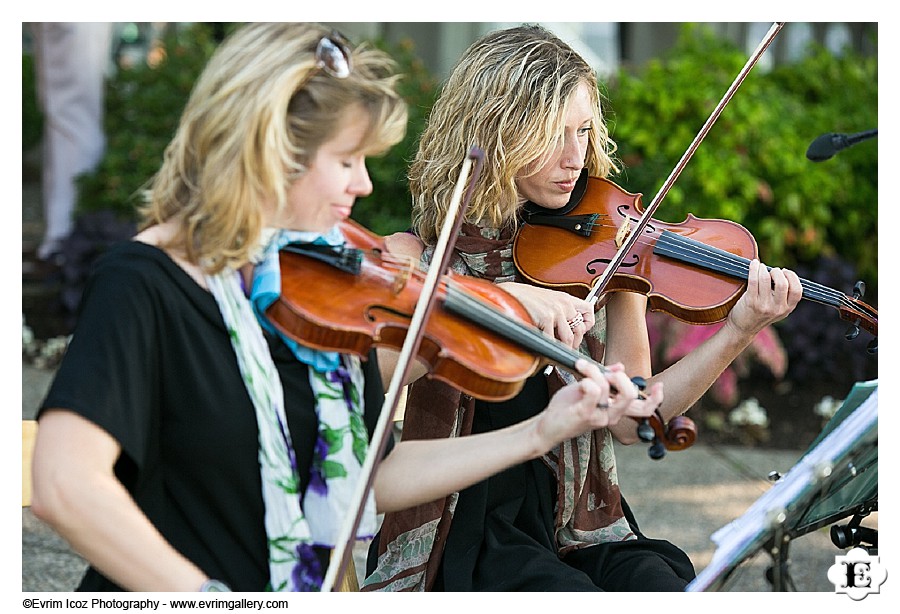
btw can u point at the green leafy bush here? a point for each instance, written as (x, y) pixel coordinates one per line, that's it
(819, 219)
(32, 118)
(143, 105)
(389, 206)
(751, 167)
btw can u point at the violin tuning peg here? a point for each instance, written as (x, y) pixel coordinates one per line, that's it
(645, 431)
(639, 381)
(656, 451)
(872, 347)
(859, 289)
(852, 332)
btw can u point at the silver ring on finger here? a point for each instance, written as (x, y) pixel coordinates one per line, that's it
(578, 319)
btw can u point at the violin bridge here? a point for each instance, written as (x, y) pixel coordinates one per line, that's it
(402, 278)
(623, 232)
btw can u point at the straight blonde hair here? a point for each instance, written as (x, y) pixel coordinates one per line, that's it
(256, 117)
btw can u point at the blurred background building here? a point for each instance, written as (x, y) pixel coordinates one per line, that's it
(611, 45)
(608, 45)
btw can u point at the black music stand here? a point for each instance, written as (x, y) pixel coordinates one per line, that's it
(836, 477)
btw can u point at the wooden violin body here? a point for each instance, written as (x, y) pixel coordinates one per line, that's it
(480, 339)
(331, 309)
(603, 215)
(695, 270)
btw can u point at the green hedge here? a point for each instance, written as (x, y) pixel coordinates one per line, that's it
(32, 118)
(143, 106)
(752, 166)
(387, 209)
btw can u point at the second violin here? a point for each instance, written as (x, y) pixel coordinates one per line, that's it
(695, 270)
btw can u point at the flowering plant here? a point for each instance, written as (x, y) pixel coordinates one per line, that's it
(671, 340)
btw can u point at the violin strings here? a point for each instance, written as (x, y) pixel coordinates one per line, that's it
(739, 267)
(703, 255)
(669, 244)
(733, 265)
(473, 308)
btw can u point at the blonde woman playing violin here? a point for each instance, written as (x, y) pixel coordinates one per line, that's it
(558, 522)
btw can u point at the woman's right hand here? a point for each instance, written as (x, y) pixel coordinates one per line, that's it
(558, 314)
(455, 463)
(598, 400)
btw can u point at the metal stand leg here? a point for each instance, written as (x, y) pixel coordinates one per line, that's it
(778, 574)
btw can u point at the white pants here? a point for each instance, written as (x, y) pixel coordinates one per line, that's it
(71, 61)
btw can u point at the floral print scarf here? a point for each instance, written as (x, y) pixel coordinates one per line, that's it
(296, 522)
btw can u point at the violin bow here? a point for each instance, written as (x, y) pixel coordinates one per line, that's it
(410, 349)
(604, 279)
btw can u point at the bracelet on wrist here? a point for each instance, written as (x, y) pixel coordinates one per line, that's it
(214, 586)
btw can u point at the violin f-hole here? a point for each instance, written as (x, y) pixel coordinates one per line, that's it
(590, 267)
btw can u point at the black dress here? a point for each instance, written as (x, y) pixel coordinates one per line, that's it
(502, 534)
(152, 364)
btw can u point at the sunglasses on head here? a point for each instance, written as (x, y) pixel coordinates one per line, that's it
(333, 55)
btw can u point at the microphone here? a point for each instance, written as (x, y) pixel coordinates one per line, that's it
(829, 144)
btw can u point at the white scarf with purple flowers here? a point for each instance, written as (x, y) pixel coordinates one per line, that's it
(295, 521)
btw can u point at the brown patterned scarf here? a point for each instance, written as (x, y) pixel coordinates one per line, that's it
(588, 506)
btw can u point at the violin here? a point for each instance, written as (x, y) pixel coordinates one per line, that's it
(478, 338)
(695, 270)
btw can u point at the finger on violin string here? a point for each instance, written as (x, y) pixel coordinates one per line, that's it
(593, 371)
(625, 388)
(753, 274)
(779, 281)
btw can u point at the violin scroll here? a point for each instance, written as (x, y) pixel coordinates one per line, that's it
(860, 315)
(679, 434)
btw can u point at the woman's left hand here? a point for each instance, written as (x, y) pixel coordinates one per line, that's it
(770, 296)
(558, 314)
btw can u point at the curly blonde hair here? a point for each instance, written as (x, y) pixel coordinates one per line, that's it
(256, 116)
(507, 95)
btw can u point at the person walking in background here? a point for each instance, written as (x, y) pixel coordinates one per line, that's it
(71, 60)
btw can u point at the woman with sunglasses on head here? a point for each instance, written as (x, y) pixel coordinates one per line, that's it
(558, 522)
(184, 444)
